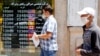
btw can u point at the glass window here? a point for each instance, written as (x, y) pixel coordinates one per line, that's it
(18, 20)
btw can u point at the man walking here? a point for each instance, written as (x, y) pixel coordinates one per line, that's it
(48, 36)
(91, 34)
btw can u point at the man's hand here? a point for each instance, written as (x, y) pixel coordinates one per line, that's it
(36, 36)
(78, 51)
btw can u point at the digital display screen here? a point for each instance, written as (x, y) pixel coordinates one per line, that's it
(19, 23)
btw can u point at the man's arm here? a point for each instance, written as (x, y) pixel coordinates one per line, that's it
(45, 36)
(94, 45)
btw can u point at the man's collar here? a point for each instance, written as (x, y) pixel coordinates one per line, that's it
(92, 25)
(49, 17)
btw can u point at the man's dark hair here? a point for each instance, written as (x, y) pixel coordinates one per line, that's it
(48, 8)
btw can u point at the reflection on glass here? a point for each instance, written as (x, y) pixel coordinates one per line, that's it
(17, 24)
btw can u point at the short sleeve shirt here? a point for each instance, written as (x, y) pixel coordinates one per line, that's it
(50, 26)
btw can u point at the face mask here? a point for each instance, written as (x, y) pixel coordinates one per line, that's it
(43, 16)
(84, 20)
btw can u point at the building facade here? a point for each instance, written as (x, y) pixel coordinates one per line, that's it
(68, 36)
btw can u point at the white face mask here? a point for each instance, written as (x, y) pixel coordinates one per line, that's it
(43, 16)
(84, 20)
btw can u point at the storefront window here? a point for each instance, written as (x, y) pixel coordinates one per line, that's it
(19, 19)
